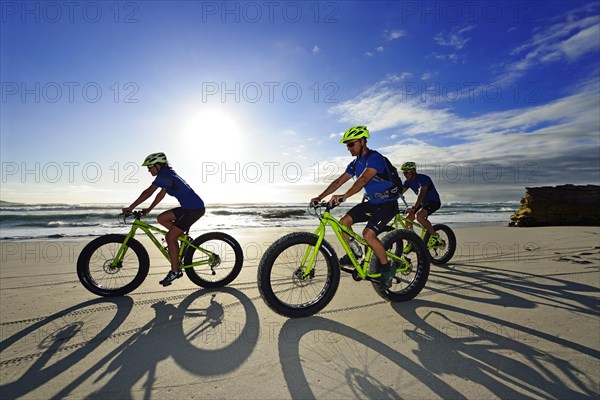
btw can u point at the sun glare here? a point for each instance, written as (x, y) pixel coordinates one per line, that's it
(214, 132)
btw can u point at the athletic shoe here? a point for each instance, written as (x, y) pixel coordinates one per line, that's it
(387, 275)
(171, 276)
(435, 241)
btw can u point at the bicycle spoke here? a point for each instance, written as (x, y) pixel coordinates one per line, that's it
(288, 284)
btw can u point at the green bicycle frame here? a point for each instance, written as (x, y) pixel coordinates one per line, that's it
(148, 230)
(401, 222)
(339, 229)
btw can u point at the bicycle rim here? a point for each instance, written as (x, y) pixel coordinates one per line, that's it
(101, 275)
(220, 260)
(282, 280)
(442, 254)
(408, 282)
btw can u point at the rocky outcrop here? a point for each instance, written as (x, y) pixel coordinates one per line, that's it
(559, 205)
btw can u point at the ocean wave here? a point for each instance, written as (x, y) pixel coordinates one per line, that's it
(283, 214)
(228, 213)
(63, 220)
(53, 207)
(47, 236)
(60, 224)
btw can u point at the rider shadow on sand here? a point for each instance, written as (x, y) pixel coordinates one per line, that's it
(453, 346)
(132, 366)
(60, 332)
(502, 353)
(325, 358)
(138, 357)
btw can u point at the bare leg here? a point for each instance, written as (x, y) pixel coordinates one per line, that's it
(374, 242)
(166, 219)
(422, 215)
(346, 220)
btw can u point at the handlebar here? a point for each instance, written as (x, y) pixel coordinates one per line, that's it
(326, 204)
(135, 214)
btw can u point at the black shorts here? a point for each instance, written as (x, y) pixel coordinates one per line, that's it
(376, 215)
(185, 217)
(431, 206)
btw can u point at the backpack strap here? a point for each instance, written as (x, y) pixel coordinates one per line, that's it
(380, 176)
(391, 193)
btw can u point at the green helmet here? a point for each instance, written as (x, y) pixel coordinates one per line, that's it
(155, 158)
(356, 132)
(408, 165)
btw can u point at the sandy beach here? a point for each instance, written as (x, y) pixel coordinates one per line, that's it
(513, 315)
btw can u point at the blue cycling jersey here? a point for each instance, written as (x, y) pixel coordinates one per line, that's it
(376, 161)
(419, 181)
(175, 186)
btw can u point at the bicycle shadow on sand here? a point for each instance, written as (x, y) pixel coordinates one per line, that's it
(53, 336)
(327, 339)
(203, 335)
(321, 356)
(489, 285)
(499, 353)
(194, 334)
(504, 357)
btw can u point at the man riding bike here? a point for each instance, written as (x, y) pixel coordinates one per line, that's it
(428, 199)
(382, 203)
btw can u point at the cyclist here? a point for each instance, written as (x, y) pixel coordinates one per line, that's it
(428, 199)
(382, 198)
(177, 220)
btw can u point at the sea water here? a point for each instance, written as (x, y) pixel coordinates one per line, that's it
(46, 221)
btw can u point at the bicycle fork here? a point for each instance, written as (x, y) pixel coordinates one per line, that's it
(306, 268)
(117, 261)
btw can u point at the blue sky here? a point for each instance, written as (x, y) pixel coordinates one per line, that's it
(249, 99)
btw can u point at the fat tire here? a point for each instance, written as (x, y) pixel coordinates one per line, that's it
(226, 279)
(402, 237)
(90, 283)
(450, 243)
(265, 267)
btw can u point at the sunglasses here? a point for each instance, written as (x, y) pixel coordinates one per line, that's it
(351, 144)
(151, 166)
(407, 172)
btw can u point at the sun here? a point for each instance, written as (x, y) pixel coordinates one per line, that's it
(214, 133)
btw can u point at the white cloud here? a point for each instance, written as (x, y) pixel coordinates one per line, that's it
(393, 34)
(316, 49)
(428, 75)
(378, 49)
(453, 57)
(556, 138)
(455, 38)
(569, 39)
(388, 35)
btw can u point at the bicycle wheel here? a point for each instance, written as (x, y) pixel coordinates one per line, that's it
(442, 254)
(408, 283)
(95, 270)
(280, 276)
(222, 266)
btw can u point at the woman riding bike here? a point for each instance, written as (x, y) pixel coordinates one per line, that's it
(177, 220)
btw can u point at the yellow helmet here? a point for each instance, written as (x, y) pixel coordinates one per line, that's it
(354, 133)
(155, 158)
